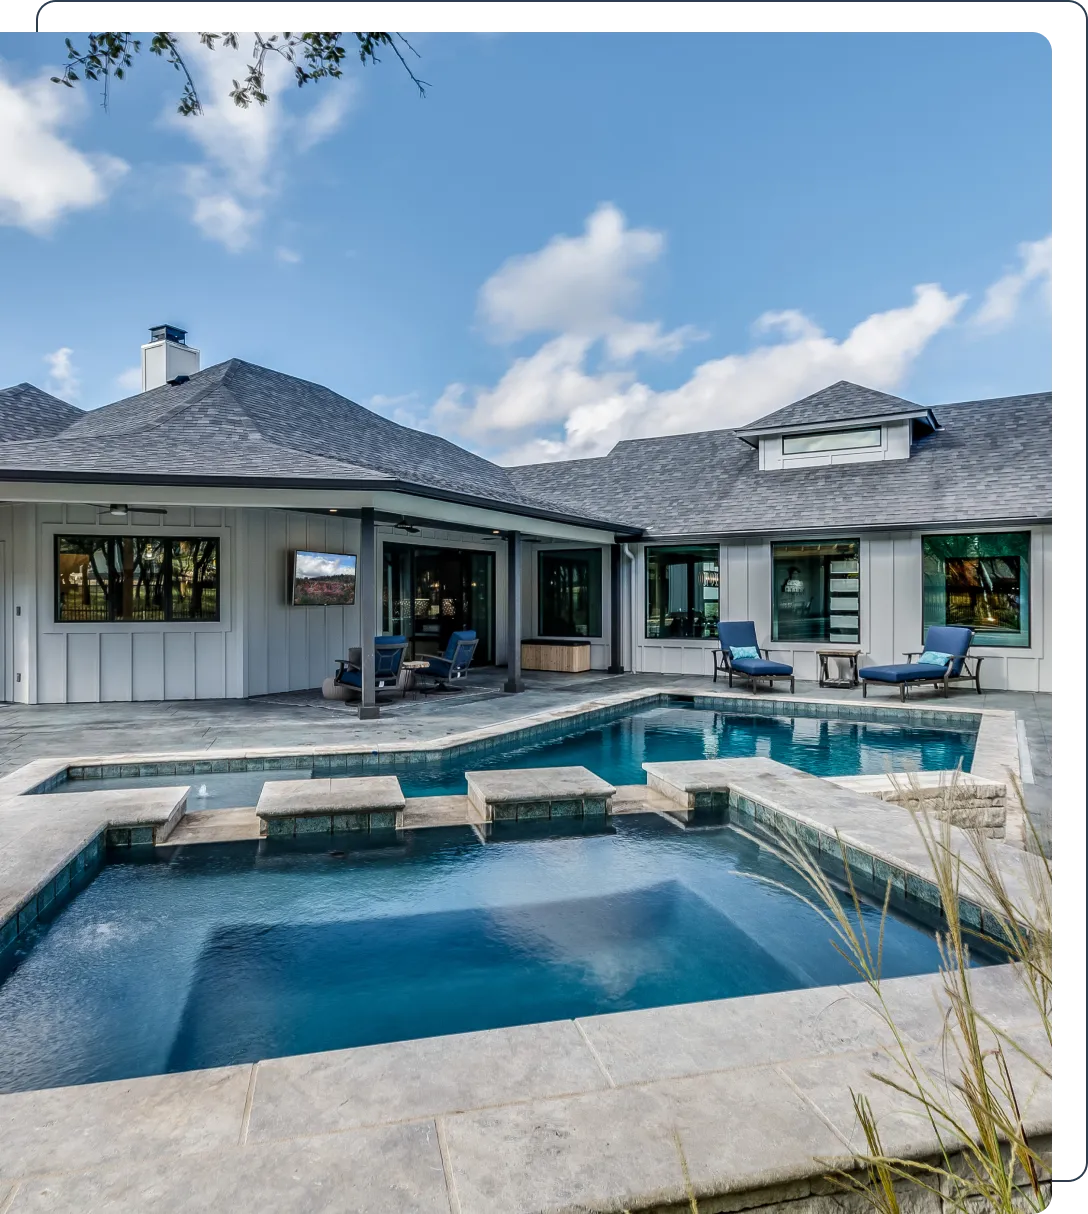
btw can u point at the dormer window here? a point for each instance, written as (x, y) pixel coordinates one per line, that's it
(836, 440)
(843, 424)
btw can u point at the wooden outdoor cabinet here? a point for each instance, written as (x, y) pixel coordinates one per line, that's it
(568, 656)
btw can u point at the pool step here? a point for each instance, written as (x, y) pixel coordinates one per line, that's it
(215, 826)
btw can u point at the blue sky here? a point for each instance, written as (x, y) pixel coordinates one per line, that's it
(570, 241)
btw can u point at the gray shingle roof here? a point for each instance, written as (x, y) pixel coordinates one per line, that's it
(840, 402)
(991, 461)
(26, 412)
(245, 422)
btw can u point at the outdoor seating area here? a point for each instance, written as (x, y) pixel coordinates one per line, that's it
(945, 659)
(741, 654)
(394, 672)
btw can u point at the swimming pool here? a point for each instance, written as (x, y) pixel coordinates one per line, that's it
(186, 957)
(615, 749)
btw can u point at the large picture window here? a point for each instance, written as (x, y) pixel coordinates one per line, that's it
(569, 593)
(815, 592)
(682, 591)
(982, 581)
(134, 579)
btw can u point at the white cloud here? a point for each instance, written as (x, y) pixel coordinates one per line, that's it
(1003, 297)
(131, 379)
(581, 286)
(244, 149)
(63, 381)
(288, 256)
(42, 175)
(577, 394)
(327, 115)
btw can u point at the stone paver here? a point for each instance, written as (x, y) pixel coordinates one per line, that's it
(337, 1090)
(70, 1129)
(386, 1170)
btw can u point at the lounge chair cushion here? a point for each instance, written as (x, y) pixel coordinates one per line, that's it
(903, 673)
(932, 657)
(744, 651)
(353, 678)
(760, 666)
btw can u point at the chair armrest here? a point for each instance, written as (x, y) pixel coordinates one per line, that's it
(766, 652)
(914, 653)
(439, 661)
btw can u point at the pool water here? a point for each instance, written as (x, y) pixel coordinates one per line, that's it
(178, 958)
(616, 750)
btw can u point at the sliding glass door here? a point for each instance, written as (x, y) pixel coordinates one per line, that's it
(430, 593)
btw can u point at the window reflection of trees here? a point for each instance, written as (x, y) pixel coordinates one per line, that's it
(137, 579)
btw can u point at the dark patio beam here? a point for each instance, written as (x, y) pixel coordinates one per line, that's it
(368, 618)
(616, 627)
(513, 613)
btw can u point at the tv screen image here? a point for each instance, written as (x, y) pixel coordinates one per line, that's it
(323, 579)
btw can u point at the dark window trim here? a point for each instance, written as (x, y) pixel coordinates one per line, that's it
(647, 549)
(167, 542)
(547, 551)
(975, 642)
(836, 539)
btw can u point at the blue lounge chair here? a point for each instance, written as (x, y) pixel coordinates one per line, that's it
(947, 644)
(736, 637)
(453, 665)
(389, 653)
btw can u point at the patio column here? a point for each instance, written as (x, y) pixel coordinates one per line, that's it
(368, 617)
(616, 631)
(513, 613)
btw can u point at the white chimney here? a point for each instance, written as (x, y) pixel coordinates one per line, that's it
(166, 356)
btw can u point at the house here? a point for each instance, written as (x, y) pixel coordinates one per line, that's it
(148, 548)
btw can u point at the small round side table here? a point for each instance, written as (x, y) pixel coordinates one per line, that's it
(411, 672)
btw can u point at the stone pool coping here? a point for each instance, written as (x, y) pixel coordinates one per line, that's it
(589, 1114)
(881, 839)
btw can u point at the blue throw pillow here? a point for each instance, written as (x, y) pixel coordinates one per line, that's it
(744, 651)
(933, 657)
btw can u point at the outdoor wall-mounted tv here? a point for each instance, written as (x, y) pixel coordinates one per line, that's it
(322, 579)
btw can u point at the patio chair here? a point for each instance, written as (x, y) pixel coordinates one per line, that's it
(389, 653)
(943, 660)
(453, 665)
(740, 654)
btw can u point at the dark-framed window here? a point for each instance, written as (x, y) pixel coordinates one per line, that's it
(569, 585)
(982, 580)
(682, 591)
(135, 578)
(815, 591)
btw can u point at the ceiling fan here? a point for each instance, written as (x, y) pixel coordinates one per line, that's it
(405, 526)
(118, 510)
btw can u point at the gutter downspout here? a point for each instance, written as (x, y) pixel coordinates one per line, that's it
(629, 557)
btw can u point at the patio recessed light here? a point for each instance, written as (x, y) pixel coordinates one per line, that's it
(332, 509)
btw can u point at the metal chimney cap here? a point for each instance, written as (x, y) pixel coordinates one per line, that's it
(168, 333)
